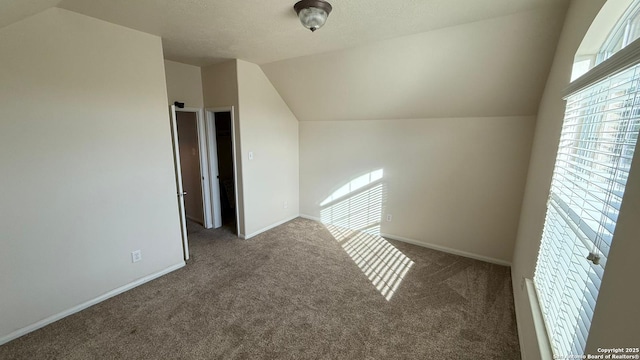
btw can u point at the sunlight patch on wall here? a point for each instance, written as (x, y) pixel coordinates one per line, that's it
(357, 212)
(352, 214)
(354, 185)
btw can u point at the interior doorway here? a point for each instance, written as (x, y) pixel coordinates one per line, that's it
(191, 140)
(223, 168)
(187, 124)
(207, 190)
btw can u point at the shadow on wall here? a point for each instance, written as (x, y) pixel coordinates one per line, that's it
(353, 214)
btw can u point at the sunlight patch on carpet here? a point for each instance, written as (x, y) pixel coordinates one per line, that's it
(381, 262)
(353, 214)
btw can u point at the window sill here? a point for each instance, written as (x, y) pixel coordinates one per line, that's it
(538, 322)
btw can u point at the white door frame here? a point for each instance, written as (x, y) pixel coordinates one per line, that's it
(213, 164)
(204, 174)
(214, 179)
(178, 172)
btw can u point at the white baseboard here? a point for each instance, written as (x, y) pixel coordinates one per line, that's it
(448, 250)
(249, 236)
(309, 217)
(431, 246)
(53, 318)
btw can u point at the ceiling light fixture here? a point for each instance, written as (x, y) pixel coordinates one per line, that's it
(312, 13)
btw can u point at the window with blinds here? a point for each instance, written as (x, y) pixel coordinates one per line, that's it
(597, 144)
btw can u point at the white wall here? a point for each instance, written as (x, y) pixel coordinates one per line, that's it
(495, 67)
(447, 113)
(264, 125)
(270, 131)
(184, 84)
(220, 90)
(87, 168)
(453, 183)
(220, 84)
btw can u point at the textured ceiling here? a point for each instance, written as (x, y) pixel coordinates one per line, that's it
(15, 10)
(202, 32)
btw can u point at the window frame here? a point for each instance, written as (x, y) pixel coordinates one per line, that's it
(611, 65)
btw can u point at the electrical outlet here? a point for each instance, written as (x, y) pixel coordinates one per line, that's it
(250, 155)
(285, 204)
(136, 256)
(389, 217)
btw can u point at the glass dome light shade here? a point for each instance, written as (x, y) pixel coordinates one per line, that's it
(312, 13)
(312, 18)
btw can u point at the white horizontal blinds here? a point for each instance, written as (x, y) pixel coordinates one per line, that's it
(597, 143)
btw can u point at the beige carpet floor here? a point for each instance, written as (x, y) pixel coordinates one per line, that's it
(299, 291)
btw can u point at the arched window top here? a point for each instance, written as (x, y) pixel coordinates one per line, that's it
(625, 31)
(616, 26)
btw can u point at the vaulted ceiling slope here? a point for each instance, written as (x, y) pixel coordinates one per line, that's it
(15, 10)
(373, 60)
(494, 67)
(202, 32)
